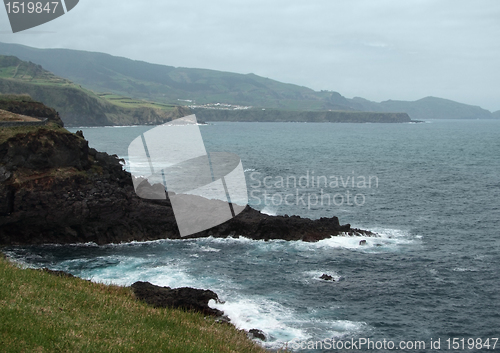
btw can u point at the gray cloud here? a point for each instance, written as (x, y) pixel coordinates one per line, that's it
(378, 50)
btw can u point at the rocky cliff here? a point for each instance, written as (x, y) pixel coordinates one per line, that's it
(273, 115)
(55, 189)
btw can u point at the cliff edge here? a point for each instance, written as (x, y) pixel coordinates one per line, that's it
(55, 189)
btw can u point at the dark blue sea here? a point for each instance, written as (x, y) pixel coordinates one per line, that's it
(431, 191)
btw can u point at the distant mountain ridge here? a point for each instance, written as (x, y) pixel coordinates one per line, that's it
(82, 107)
(76, 105)
(171, 85)
(429, 108)
(105, 73)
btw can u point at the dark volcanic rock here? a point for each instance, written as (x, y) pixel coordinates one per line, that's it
(326, 277)
(183, 298)
(43, 150)
(55, 189)
(256, 333)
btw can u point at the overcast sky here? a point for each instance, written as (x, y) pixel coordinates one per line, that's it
(379, 50)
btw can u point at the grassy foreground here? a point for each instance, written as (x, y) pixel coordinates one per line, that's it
(40, 312)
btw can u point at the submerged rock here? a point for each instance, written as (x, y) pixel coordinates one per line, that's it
(326, 277)
(182, 298)
(257, 334)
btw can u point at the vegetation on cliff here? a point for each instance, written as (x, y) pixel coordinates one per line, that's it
(178, 85)
(76, 105)
(45, 313)
(25, 106)
(79, 106)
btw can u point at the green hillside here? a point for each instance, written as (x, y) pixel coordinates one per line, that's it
(438, 108)
(77, 105)
(167, 84)
(197, 87)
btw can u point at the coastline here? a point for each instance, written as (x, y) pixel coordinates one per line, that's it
(71, 314)
(55, 189)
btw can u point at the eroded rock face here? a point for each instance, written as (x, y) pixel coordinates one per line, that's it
(177, 298)
(55, 189)
(87, 198)
(43, 150)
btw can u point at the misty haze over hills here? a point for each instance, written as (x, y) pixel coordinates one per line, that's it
(172, 85)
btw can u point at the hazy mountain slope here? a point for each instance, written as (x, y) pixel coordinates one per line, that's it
(77, 106)
(103, 72)
(171, 85)
(81, 107)
(426, 108)
(437, 108)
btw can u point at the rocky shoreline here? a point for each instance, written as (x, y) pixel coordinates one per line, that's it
(183, 298)
(55, 189)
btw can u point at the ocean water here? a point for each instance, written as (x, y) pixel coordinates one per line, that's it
(431, 191)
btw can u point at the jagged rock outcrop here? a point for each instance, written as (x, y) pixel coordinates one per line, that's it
(55, 189)
(256, 334)
(177, 298)
(326, 277)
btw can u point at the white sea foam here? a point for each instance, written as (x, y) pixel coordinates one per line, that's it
(273, 319)
(433, 272)
(127, 270)
(464, 269)
(388, 240)
(204, 248)
(281, 325)
(228, 240)
(313, 276)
